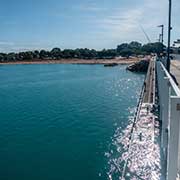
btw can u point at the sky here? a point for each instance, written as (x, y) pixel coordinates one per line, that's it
(44, 24)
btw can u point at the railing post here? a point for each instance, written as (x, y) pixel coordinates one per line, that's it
(174, 134)
(165, 113)
(162, 92)
(160, 78)
(179, 145)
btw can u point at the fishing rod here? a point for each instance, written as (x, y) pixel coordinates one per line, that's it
(146, 35)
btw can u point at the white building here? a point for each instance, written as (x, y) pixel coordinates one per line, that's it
(177, 44)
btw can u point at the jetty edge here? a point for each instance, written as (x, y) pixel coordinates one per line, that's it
(140, 66)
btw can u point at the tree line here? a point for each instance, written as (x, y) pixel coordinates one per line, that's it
(125, 50)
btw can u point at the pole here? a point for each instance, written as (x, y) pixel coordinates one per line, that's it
(162, 34)
(169, 37)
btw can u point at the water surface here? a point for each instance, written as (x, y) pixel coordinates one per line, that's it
(57, 122)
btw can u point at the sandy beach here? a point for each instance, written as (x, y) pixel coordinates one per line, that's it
(76, 61)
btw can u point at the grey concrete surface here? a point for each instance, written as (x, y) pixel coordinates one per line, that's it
(175, 70)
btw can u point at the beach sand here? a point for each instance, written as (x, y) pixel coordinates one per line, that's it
(76, 61)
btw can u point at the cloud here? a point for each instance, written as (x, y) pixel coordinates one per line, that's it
(7, 47)
(6, 43)
(108, 26)
(123, 21)
(90, 7)
(124, 24)
(97, 25)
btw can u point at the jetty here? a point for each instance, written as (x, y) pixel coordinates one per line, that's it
(153, 152)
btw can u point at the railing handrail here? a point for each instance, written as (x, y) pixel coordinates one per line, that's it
(171, 81)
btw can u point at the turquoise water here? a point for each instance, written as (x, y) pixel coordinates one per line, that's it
(57, 122)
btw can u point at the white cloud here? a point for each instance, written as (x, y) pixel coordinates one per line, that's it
(90, 6)
(20, 46)
(124, 24)
(106, 27)
(6, 43)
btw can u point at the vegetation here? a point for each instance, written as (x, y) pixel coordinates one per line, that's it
(124, 50)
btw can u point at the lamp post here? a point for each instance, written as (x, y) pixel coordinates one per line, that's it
(169, 37)
(162, 33)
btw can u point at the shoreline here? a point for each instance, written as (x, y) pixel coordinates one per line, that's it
(123, 61)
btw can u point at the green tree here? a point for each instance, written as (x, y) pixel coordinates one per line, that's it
(122, 47)
(135, 45)
(153, 48)
(44, 54)
(56, 53)
(126, 52)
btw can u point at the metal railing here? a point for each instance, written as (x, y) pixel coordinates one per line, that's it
(169, 103)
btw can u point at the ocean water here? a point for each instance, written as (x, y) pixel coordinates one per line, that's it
(59, 122)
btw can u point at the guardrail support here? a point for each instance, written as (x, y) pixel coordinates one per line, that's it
(165, 113)
(169, 102)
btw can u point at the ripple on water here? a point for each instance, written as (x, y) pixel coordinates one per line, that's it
(143, 158)
(61, 118)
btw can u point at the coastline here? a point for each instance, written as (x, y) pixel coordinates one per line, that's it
(76, 61)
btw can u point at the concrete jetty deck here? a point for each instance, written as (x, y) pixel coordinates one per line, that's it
(175, 70)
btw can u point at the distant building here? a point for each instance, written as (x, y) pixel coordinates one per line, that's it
(176, 43)
(176, 46)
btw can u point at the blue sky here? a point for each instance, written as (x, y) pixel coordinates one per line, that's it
(44, 24)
